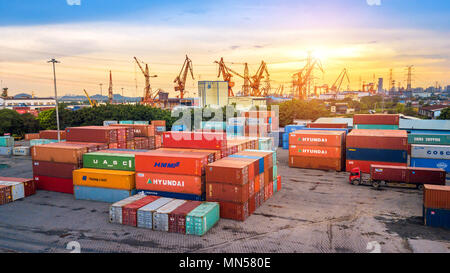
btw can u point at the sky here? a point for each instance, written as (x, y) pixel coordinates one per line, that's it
(92, 37)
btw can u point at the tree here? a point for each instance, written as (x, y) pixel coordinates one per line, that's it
(445, 114)
(299, 109)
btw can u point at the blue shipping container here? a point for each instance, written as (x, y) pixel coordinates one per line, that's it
(175, 195)
(292, 128)
(380, 155)
(101, 194)
(178, 128)
(437, 218)
(431, 163)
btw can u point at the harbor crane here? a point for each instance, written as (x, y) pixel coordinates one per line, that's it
(337, 84)
(148, 98)
(301, 79)
(180, 80)
(255, 82)
(93, 103)
(227, 75)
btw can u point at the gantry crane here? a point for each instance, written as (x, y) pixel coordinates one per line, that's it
(321, 87)
(148, 98)
(180, 80)
(337, 84)
(93, 103)
(226, 75)
(301, 79)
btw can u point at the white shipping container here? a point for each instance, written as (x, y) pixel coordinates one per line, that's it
(110, 122)
(161, 215)
(115, 210)
(17, 189)
(22, 150)
(145, 214)
(430, 151)
(6, 151)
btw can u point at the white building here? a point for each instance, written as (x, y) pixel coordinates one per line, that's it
(33, 103)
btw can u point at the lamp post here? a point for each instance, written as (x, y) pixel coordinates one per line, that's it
(53, 61)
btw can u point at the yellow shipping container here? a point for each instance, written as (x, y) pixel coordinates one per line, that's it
(110, 179)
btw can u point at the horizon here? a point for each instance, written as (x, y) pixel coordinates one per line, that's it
(92, 38)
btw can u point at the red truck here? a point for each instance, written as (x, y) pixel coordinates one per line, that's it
(385, 175)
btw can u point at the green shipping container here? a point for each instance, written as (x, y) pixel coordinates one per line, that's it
(377, 127)
(141, 122)
(202, 218)
(429, 139)
(109, 161)
(6, 141)
(126, 122)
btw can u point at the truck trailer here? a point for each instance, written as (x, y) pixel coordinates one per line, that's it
(381, 175)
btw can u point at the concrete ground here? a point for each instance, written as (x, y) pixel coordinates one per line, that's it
(316, 211)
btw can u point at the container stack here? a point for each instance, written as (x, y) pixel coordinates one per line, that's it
(196, 140)
(173, 174)
(53, 165)
(160, 128)
(165, 214)
(6, 145)
(12, 189)
(323, 150)
(376, 122)
(52, 134)
(236, 127)
(260, 123)
(431, 156)
(241, 183)
(287, 130)
(376, 147)
(436, 206)
(106, 177)
(21, 151)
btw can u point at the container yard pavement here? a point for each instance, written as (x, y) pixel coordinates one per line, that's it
(316, 211)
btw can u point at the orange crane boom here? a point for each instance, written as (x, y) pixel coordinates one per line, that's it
(180, 80)
(336, 88)
(147, 98)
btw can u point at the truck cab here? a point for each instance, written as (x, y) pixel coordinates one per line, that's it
(355, 176)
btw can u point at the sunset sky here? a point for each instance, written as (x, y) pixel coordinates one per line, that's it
(101, 35)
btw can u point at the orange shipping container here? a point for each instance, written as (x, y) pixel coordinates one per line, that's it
(229, 192)
(315, 151)
(110, 179)
(317, 138)
(228, 171)
(316, 163)
(55, 152)
(170, 183)
(436, 197)
(170, 162)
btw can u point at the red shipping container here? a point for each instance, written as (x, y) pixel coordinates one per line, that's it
(170, 183)
(229, 192)
(129, 212)
(177, 218)
(54, 169)
(52, 134)
(138, 129)
(54, 184)
(279, 187)
(234, 211)
(268, 157)
(252, 204)
(229, 171)
(5, 195)
(266, 193)
(327, 125)
(196, 140)
(170, 163)
(59, 152)
(378, 139)
(270, 189)
(32, 136)
(417, 175)
(364, 166)
(436, 197)
(388, 173)
(98, 134)
(253, 165)
(377, 119)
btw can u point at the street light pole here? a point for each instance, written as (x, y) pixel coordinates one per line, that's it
(53, 61)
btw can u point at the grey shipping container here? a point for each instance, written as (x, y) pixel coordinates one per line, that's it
(115, 210)
(430, 151)
(17, 189)
(161, 215)
(145, 214)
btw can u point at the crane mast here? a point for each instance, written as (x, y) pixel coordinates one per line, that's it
(110, 89)
(180, 80)
(147, 98)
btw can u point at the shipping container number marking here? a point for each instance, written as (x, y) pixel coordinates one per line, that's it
(74, 246)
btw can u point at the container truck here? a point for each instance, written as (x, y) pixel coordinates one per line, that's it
(381, 175)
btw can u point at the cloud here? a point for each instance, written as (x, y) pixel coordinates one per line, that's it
(73, 2)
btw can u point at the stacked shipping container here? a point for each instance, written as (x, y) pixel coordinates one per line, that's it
(431, 156)
(6, 145)
(376, 147)
(323, 150)
(436, 206)
(12, 189)
(376, 122)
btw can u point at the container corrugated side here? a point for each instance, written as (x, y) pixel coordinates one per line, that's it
(381, 155)
(430, 151)
(177, 218)
(429, 139)
(17, 189)
(376, 119)
(437, 197)
(5, 195)
(109, 161)
(101, 194)
(439, 218)
(122, 180)
(431, 163)
(145, 214)
(161, 215)
(377, 126)
(202, 218)
(115, 210)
